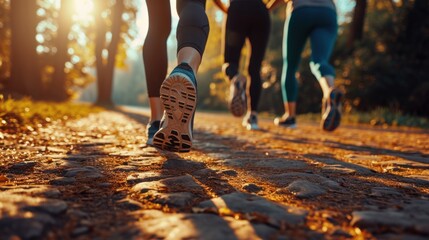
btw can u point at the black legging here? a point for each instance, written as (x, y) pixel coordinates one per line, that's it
(192, 31)
(247, 19)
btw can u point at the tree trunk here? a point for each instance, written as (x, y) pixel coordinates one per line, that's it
(5, 43)
(58, 88)
(105, 67)
(356, 27)
(25, 76)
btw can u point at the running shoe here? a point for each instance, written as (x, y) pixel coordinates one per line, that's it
(331, 114)
(179, 97)
(237, 96)
(250, 122)
(289, 122)
(151, 129)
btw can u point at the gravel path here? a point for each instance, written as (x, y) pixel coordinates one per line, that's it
(94, 178)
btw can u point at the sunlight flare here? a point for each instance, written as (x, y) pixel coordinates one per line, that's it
(83, 10)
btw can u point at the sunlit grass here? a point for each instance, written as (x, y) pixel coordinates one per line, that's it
(21, 115)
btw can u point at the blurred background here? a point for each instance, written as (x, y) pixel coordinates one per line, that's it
(90, 50)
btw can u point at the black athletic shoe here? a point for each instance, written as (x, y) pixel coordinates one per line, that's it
(151, 129)
(287, 123)
(331, 114)
(237, 96)
(179, 97)
(250, 122)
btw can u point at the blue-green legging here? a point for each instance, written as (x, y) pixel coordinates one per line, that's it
(320, 25)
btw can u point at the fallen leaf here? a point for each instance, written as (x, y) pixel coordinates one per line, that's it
(223, 211)
(3, 178)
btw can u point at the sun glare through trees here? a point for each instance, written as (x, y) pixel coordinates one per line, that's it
(83, 11)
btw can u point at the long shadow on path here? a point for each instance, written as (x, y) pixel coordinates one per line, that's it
(251, 162)
(206, 184)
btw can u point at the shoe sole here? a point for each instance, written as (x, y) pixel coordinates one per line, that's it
(179, 97)
(331, 119)
(238, 102)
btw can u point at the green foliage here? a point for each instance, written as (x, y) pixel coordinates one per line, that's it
(212, 90)
(27, 115)
(271, 98)
(389, 68)
(387, 117)
(274, 50)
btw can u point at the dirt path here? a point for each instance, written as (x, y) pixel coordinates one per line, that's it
(94, 178)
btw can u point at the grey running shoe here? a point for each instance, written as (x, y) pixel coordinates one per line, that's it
(289, 122)
(179, 97)
(250, 122)
(331, 114)
(151, 129)
(237, 96)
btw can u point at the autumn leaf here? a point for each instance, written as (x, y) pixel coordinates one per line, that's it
(3, 178)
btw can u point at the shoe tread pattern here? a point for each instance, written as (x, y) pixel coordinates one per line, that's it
(178, 96)
(238, 101)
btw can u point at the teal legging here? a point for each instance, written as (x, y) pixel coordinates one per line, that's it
(320, 25)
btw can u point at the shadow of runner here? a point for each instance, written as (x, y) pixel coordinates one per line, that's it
(376, 150)
(357, 148)
(194, 191)
(93, 190)
(180, 191)
(346, 202)
(363, 153)
(390, 130)
(133, 113)
(362, 187)
(192, 182)
(337, 166)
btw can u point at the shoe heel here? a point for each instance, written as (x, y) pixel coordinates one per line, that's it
(179, 97)
(332, 117)
(238, 99)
